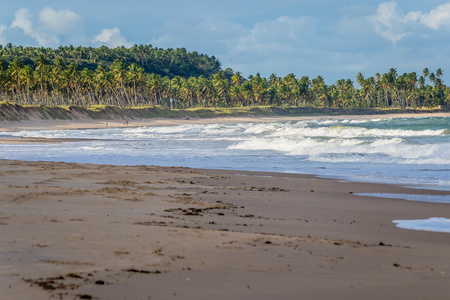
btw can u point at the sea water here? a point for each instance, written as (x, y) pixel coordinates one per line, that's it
(406, 151)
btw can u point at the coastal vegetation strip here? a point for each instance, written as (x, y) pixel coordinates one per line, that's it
(177, 79)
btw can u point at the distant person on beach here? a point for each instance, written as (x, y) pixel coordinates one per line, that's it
(187, 118)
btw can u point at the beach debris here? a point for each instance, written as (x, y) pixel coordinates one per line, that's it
(263, 189)
(132, 270)
(71, 281)
(73, 275)
(53, 283)
(247, 216)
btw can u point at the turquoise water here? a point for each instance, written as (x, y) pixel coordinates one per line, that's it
(406, 151)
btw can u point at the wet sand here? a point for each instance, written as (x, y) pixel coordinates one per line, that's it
(37, 140)
(82, 231)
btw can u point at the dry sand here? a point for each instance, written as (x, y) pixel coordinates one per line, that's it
(81, 231)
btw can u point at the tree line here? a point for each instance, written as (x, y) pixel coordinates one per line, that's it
(62, 81)
(165, 62)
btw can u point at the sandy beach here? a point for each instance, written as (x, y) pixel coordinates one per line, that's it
(81, 231)
(85, 231)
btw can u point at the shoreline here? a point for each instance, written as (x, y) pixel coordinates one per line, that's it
(108, 231)
(101, 124)
(96, 124)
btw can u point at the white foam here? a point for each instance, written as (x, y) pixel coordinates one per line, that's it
(387, 150)
(359, 121)
(411, 197)
(405, 151)
(431, 224)
(385, 142)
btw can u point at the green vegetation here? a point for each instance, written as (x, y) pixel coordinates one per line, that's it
(164, 62)
(102, 78)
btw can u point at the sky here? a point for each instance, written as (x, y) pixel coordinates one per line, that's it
(330, 38)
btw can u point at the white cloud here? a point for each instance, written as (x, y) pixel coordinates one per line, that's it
(59, 22)
(264, 45)
(283, 33)
(413, 16)
(222, 36)
(391, 25)
(54, 25)
(387, 22)
(111, 38)
(24, 21)
(51, 25)
(214, 37)
(437, 17)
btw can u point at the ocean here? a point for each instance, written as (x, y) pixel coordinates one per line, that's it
(405, 151)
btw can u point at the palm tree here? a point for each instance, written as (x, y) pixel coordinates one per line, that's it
(188, 90)
(235, 95)
(135, 74)
(247, 92)
(14, 83)
(274, 80)
(432, 77)
(87, 79)
(104, 85)
(2, 67)
(204, 90)
(154, 85)
(259, 87)
(237, 79)
(304, 89)
(283, 92)
(368, 86)
(360, 79)
(118, 70)
(41, 66)
(425, 73)
(292, 84)
(69, 81)
(27, 76)
(175, 88)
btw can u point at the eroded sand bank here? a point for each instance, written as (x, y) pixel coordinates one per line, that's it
(88, 124)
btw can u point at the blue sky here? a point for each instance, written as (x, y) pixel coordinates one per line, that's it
(334, 39)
